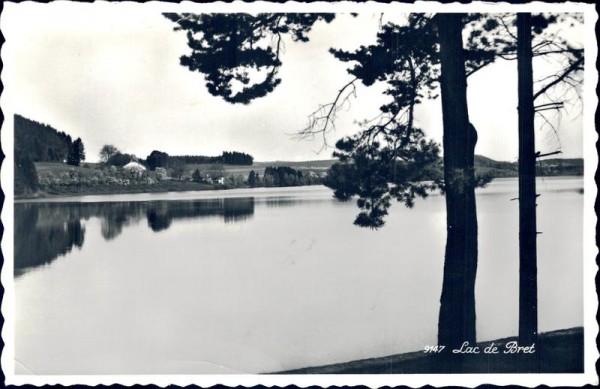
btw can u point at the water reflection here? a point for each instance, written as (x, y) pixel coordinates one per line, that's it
(40, 237)
(284, 201)
(46, 231)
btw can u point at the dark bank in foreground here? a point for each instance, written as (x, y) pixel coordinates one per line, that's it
(558, 351)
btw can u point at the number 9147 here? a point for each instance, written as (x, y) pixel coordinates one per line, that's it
(433, 349)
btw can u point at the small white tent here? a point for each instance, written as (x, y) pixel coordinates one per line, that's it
(135, 167)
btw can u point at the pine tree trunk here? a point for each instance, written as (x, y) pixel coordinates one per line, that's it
(457, 303)
(527, 196)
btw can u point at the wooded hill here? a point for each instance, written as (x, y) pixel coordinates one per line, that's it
(36, 142)
(40, 142)
(483, 165)
(544, 167)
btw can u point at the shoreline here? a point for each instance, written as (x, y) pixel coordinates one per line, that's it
(186, 193)
(43, 196)
(180, 187)
(559, 351)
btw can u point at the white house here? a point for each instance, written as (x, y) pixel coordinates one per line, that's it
(135, 168)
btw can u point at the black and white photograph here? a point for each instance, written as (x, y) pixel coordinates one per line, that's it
(310, 194)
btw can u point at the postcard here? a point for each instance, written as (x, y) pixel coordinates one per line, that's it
(289, 193)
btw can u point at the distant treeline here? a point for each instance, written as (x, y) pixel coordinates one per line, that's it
(560, 167)
(37, 142)
(162, 159)
(544, 167)
(227, 158)
(276, 176)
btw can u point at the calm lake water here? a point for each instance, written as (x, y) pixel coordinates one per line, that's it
(267, 279)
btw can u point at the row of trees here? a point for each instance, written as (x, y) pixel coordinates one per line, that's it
(227, 157)
(389, 158)
(212, 173)
(285, 176)
(76, 153)
(273, 176)
(109, 154)
(236, 158)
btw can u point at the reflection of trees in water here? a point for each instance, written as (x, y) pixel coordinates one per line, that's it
(45, 231)
(280, 201)
(161, 216)
(115, 216)
(42, 237)
(285, 201)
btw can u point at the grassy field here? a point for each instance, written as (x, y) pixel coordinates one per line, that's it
(57, 168)
(259, 167)
(482, 164)
(102, 189)
(89, 186)
(87, 168)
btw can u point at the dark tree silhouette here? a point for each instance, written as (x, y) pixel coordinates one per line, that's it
(527, 193)
(389, 158)
(457, 303)
(407, 58)
(252, 179)
(529, 25)
(26, 179)
(196, 176)
(119, 159)
(160, 159)
(107, 151)
(236, 158)
(76, 153)
(36, 142)
(523, 37)
(157, 159)
(178, 168)
(225, 47)
(393, 147)
(40, 142)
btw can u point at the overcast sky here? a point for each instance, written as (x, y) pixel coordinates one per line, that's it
(112, 76)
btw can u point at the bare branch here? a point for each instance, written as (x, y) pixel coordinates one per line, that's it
(547, 122)
(506, 27)
(540, 155)
(549, 106)
(322, 119)
(574, 67)
(558, 51)
(484, 64)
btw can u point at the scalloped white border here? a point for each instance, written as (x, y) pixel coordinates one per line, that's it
(415, 380)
